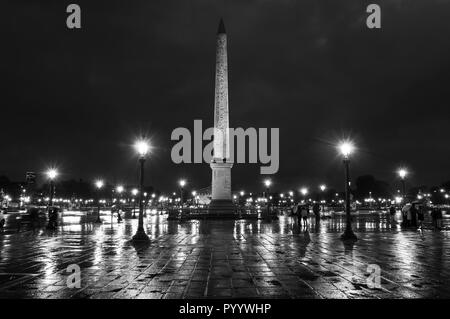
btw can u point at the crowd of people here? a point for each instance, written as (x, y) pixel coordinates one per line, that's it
(412, 214)
(302, 211)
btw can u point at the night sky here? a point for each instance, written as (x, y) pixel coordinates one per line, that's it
(78, 98)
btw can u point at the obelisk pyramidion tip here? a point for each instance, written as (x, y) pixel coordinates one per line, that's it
(221, 27)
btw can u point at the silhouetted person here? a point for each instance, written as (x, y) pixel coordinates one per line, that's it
(392, 212)
(52, 218)
(405, 213)
(438, 218)
(421, 216)
(434, 217)
(304, 215)
(2, 220)
(316, 211)
(413, 211)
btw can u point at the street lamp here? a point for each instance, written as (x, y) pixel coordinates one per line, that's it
(402, 173)
(304, 191)
(323, 187)
(52, 173)
(267, 183)
(182, 183)
(120, 189)
(142, 148)
(194, 195)
(52, 214)
(99, 185)
(346, 149)
(134, 192)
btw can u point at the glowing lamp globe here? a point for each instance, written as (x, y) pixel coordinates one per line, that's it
(99, 184)
(304, 191)
(142, 148)
(52, 173)
(346, 149)
(402, 173)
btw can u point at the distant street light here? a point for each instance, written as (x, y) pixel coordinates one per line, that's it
(267, 183)
(182, 183)
(134, 192)
(346, 149)
(142, 148)
(402, 173)
(52, 173)
(323, 187)
(304, 191)
(194, 195)
(99, 185)
(120, 189)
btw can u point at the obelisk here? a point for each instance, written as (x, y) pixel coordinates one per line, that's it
(221, 200)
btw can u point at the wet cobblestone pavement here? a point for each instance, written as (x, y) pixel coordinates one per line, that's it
(222, 259)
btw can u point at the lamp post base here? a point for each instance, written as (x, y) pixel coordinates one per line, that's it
(349, 235)
(98, 221)
(140, 236)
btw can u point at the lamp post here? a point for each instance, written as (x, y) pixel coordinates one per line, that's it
(119, 190)
(402, 173)
(51, 174)
(182, 183)
(134, 192)
(267, 183)
(304, 192)
(322, 188)
(346, 149)
(142, 148)
(52, 214)
(99, 185)
(291, 196)
(194, 197)
(241, 197)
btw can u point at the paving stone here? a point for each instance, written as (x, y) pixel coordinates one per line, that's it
(224, 259)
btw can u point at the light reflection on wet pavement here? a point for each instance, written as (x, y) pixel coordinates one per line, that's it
(221, 259)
